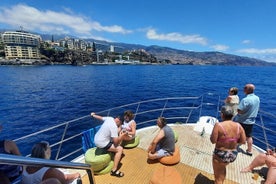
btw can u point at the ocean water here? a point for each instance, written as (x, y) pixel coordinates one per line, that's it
(34, 97)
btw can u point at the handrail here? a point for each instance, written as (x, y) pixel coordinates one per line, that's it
(176, 109)
(27, 161)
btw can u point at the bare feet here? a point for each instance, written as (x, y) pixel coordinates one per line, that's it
(246, 170)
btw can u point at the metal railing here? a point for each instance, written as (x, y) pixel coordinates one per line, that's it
(26, 161)
(66, 138)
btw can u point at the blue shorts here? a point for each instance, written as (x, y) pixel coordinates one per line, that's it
(162, 153)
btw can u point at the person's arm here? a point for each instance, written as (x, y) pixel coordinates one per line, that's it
(133, 128)
(214, 135)
(94, 115)
(12, 147)
(152, 146)
(118, 140)
(62, 177)
(228, 99)
(271, 152)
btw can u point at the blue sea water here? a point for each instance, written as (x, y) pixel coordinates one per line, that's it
(34, 97)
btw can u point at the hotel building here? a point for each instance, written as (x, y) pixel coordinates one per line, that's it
(21, 45)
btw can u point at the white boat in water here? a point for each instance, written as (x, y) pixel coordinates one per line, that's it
(192, 118)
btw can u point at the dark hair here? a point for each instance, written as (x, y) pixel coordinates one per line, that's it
(120, 118)
(162, 120)
(129, 114)
(227, 112)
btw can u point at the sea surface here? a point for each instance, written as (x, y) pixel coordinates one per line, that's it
(34, 97)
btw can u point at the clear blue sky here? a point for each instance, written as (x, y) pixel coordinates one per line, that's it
(240, 27)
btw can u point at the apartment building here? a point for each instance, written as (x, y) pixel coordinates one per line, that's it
(21, 45)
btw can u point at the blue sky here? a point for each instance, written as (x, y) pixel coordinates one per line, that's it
(240, 27)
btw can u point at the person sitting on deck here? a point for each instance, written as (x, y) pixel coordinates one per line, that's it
(268, 158)
(107, 138)
(226, 135)
(129, 126)
(164, 142)
(36, 175)
(8, 173)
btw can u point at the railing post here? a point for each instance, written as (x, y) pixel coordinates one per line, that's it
(265, 137)
(164, 108)
(62, 138)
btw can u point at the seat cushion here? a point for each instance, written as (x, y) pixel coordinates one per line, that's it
(97, 158)
(175, 136)
(105, 170)
(132, 143)
(172, 159)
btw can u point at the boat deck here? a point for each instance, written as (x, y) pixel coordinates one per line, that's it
(196, 161)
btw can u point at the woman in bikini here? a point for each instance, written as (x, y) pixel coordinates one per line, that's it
(226, 135)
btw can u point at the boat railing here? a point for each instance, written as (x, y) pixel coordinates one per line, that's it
(263, 135)
(26, 161)
(66, 138)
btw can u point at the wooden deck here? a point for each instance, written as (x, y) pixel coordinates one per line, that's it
(196, 161)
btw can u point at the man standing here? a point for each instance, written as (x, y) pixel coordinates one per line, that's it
(107, 138)
(247, 113)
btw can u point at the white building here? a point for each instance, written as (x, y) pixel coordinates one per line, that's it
(21, 45)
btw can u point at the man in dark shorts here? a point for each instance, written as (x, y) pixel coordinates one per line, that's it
(107, 138)
(247, 113)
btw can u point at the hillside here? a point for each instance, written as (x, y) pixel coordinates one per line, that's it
(176, 56)
(152, 54)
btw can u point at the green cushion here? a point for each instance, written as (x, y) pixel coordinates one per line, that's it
(106, 170)
(97, 158)
(132, 143)
(175, 135)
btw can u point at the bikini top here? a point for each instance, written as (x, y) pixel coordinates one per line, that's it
(229, 139)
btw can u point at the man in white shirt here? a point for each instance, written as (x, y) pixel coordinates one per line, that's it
(107, 138)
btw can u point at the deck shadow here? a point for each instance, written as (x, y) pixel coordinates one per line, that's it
(200, 178)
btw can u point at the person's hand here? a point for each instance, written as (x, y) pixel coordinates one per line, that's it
(269, 152)
(78, 175)
(92, 113)
(123, 132)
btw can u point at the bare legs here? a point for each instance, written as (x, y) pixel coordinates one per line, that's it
(260, 160)
(152, 156)
(118, 154)
(249, 141)
(219, 171)
(271, 176)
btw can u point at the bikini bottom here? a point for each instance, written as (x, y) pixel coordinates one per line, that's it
(226, 156)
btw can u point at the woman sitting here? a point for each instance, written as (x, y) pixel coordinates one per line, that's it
(36, 175)
(129, 126)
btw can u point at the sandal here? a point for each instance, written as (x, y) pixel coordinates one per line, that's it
(248, 153)
(117, 173)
